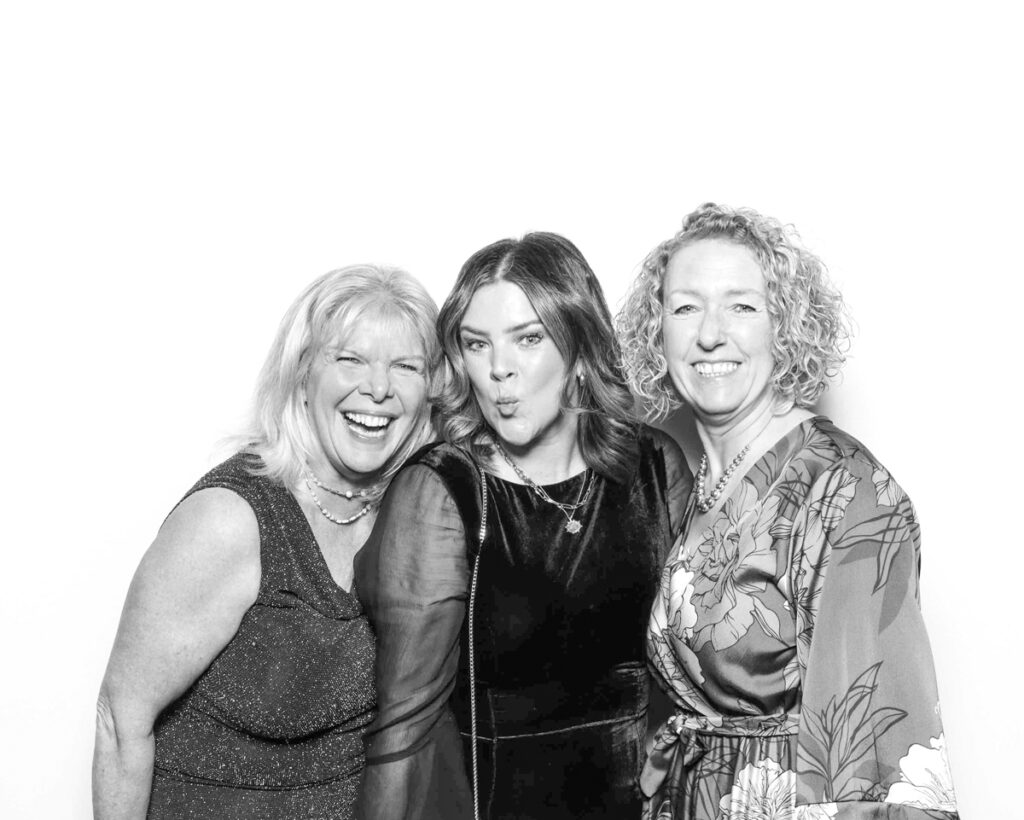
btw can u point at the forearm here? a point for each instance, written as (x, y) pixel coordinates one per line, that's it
(122, 772)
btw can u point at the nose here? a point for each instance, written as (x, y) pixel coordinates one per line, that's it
(377, 382)
(502, 363)
(712, 330)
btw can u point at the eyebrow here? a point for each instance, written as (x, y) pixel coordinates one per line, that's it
(732, 292)
(345, 348)
(513, 329)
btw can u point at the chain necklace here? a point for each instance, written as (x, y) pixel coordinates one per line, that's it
(326, 514)
(349, 494)
(572, 526)
(706, 502)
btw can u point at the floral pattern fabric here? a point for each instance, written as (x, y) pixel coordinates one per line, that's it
(788, 634)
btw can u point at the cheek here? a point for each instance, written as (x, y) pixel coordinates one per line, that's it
(477, 373)
(759, 344)
(675, 340)
(548, 375)
(414, 396)
(315, 400)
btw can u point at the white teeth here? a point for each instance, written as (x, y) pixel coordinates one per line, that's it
(368, 421)
(715, 368)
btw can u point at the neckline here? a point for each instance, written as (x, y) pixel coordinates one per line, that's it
(318, 559)
(564, 483)
(780, 444)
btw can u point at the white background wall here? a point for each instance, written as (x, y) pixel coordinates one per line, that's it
(172, 176)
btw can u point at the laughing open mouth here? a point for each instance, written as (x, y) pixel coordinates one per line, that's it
(367, 425)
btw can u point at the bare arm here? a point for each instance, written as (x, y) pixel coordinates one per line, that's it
(185, 603)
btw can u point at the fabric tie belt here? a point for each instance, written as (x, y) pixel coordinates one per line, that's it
(682, 740)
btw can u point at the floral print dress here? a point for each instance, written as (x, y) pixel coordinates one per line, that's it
(789, 636)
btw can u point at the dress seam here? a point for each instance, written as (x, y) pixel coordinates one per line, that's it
(572, 728)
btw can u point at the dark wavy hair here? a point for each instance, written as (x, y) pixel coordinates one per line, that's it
(810, 328)
(567, 297)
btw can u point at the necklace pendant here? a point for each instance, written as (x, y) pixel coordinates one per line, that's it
(573, 526)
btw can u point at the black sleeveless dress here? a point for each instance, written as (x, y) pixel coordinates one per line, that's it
(273, 729)
(558, 644)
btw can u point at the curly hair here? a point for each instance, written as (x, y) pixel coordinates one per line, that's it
(278, 430)
(810, 332)
(567, 297)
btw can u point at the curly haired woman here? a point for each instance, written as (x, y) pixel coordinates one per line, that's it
(787, 629)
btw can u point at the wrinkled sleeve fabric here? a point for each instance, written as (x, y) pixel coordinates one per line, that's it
(412, 577)
(870, 740)
(678, 484)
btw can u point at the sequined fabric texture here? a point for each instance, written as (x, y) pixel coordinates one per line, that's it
(274, 727)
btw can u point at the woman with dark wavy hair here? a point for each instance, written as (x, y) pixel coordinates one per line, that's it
(512, 568)
(787, 629)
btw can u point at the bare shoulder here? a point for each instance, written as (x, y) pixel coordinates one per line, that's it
(188, 596)
(216, 517)
(209, 543)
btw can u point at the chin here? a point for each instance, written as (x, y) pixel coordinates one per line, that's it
(367, 460)
(712, 410)
(368, 470)
(512, 434)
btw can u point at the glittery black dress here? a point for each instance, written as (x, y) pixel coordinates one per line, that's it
(559, 625)
(273, 729)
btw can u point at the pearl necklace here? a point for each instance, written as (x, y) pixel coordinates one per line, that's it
(349, 494)
(706, 502)
(572, 526)
(326, 514)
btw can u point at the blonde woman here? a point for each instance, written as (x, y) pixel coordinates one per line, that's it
(787, 629)
(241, 680)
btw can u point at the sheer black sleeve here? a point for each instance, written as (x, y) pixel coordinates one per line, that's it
(412, 576)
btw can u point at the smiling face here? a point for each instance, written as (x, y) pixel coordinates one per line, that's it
(516, 371)
(716, 331)
(365, 394)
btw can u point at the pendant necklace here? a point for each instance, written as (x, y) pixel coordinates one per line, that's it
(572, 525)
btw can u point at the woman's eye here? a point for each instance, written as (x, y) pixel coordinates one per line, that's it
(685, 310)
(743, 308)
(406, 367)
(348, 359)
(473, 345)
(531, 339)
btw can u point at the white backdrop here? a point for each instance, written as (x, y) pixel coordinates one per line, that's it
(172, 176)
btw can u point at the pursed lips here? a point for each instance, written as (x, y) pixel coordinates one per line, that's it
(506, 404)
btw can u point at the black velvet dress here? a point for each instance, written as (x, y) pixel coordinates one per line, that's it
(559, 624)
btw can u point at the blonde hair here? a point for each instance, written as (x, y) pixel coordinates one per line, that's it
(279, 431)
(810, 332)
